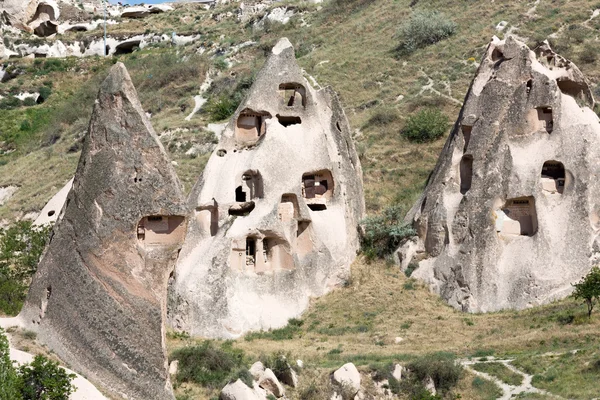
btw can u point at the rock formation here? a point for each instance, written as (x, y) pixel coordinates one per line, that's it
(98, 298)
(511, 213)
(18, 13)
(275, 211)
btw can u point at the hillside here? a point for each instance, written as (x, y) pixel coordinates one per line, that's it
(351, 46)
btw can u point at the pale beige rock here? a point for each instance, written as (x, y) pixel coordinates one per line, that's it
(275, 211)
(510, 217)
(257, 370)
(269, 381)
(347, 377)
(238, 391)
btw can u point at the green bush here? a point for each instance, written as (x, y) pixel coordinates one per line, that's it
(588, 289)
(286, 333)
(21, 247)
(423, 28)
(222, 107)
(383, 233)
(426, 125)
(211, 366)
(9, 103)
(442, 368)
(383, 117)
(29, 102)
(41, 380)
(45, 92)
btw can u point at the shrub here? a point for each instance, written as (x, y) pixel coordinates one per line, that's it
(9, 103)
(383, 117)
(286, 333)
(44, 380)
(422, 29)
(222, 107)
(383, 233)
(211, 366)
(21, 247)
(45, 92)
(41, 380)
(588, 289)
(426, 125)
(442, 368)
(29, 102)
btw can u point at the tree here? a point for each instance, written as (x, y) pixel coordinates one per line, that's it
(41, 380)
(8, 375)
(588, 289)
(44, 380)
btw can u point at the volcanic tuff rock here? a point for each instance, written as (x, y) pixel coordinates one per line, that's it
(275, 211)
(511, 214)
(98, 298)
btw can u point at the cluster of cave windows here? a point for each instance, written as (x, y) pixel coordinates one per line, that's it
(261, 255)
(250, 125)
(157, 230)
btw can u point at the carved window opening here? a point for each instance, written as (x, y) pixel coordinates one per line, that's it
(208, 219)
(250, 125)
(288, 208)
(529, 85)
(51, 213)
(544, 115)
(250, 252)
(292, 94)
(553, 177)
(517, 217)
(304, 242)
(161, 230)
(317, 189)
(466, 130)
(466, 173)
(286, 121)
(240, 195)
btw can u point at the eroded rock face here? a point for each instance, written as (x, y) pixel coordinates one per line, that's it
(275, 212)
(98, 298)
(18, 13)
(510, 216)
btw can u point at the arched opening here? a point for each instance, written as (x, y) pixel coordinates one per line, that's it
(292, 94)
(553, 177)
(251, 187)
(127, 47)
(288, 208)
(286, 121)
(466, 130)
(317, 189)
(250, 125)
(517, 217)
(466, 173)
(156, 230)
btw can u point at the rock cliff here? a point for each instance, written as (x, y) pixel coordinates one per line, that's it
(510, 216)
(98, 298)
(275, 211)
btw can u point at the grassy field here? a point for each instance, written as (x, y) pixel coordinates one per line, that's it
(562, 353)
(350, 45)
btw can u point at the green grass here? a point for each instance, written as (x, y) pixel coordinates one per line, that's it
(486, 390)
(500, 371)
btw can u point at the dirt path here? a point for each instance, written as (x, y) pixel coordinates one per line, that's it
(509, 391)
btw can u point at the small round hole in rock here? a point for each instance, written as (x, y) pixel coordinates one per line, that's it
(51, 213)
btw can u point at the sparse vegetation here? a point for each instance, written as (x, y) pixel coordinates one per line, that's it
(383, 233)
(500, 371)
(442, 368)
(210, 365)
(426, 125)
(424, 28)
(42, 379)
(21, 247)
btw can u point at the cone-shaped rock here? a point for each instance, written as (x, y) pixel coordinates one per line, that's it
(98, 298)
(276, 209)
(511, 214)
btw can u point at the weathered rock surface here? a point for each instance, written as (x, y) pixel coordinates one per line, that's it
(510, 216)
(239, 391)
(269, 381)
(52, 209)
(275, 211)
(347, 377)
(18, 13)
(98, 298)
